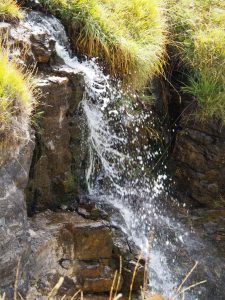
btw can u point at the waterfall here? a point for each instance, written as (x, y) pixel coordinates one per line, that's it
(121, 158)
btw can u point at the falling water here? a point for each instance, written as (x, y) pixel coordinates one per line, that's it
(123, 149)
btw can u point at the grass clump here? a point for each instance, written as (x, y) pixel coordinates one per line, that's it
(10, 10)
(16, 103)
(128, 36)
(198, 35)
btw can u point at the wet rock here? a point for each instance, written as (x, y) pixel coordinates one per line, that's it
(59, 141)
(42, 46)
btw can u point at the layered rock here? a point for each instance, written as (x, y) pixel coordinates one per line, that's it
(84, 252)
(58, 168)
(199, 154)
(196, 148)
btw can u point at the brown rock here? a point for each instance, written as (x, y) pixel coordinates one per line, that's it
(52, 183)
(90, 240)
(66, 245)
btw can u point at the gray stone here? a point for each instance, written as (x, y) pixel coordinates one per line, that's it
(14, 238)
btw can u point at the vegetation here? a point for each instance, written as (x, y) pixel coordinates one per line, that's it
(16, 100)
(198, 35)
(128, 35)
(10, 10)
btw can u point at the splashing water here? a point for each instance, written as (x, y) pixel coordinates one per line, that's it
(116, 174)
(121, 156)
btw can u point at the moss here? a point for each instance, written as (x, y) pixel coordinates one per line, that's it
(69, 183)
(128, 35)
(10, 10)
(198, 37)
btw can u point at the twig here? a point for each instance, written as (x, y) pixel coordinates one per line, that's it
(118, 297)
(190, 287)
(133, 277)
(119, 277)
(112, 287)
(17, 280)
(82, 295)
(21, 297)
(185, 279)
(56, 287)
(74, 296)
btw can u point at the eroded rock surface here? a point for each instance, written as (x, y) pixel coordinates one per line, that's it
(14, 238)
(85, 252)
(200, 156)
(57, 169)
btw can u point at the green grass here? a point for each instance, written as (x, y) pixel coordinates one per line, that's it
(10, 10)
(198, 37)
(16, 101)
(128, 36)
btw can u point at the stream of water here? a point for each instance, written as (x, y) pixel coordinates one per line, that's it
(121, 156)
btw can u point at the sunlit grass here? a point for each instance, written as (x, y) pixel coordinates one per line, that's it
(15, 89)
(198, 35)
(128, 36)
(10, 10)
(16, 101)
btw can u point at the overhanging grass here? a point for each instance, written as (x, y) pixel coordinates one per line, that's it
(128, 36)
(9, 10)
(16, 103)
(198, 35)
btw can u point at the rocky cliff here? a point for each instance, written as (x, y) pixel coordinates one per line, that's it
(79, 244)
(68, 235)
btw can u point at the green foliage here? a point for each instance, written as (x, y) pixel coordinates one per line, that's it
(127, 35)
(69, 183)
(198, 35)
(16, 101)
(10, 10)
(15, 89)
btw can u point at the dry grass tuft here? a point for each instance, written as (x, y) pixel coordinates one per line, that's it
(17, 101)
(10, 10)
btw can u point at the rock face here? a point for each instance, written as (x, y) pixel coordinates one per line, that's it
(197, 149)
(57, 169)
(57, 154)
(58, 166)
(199, 154)
(14, 238)
(78, 246)
(82, 251)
